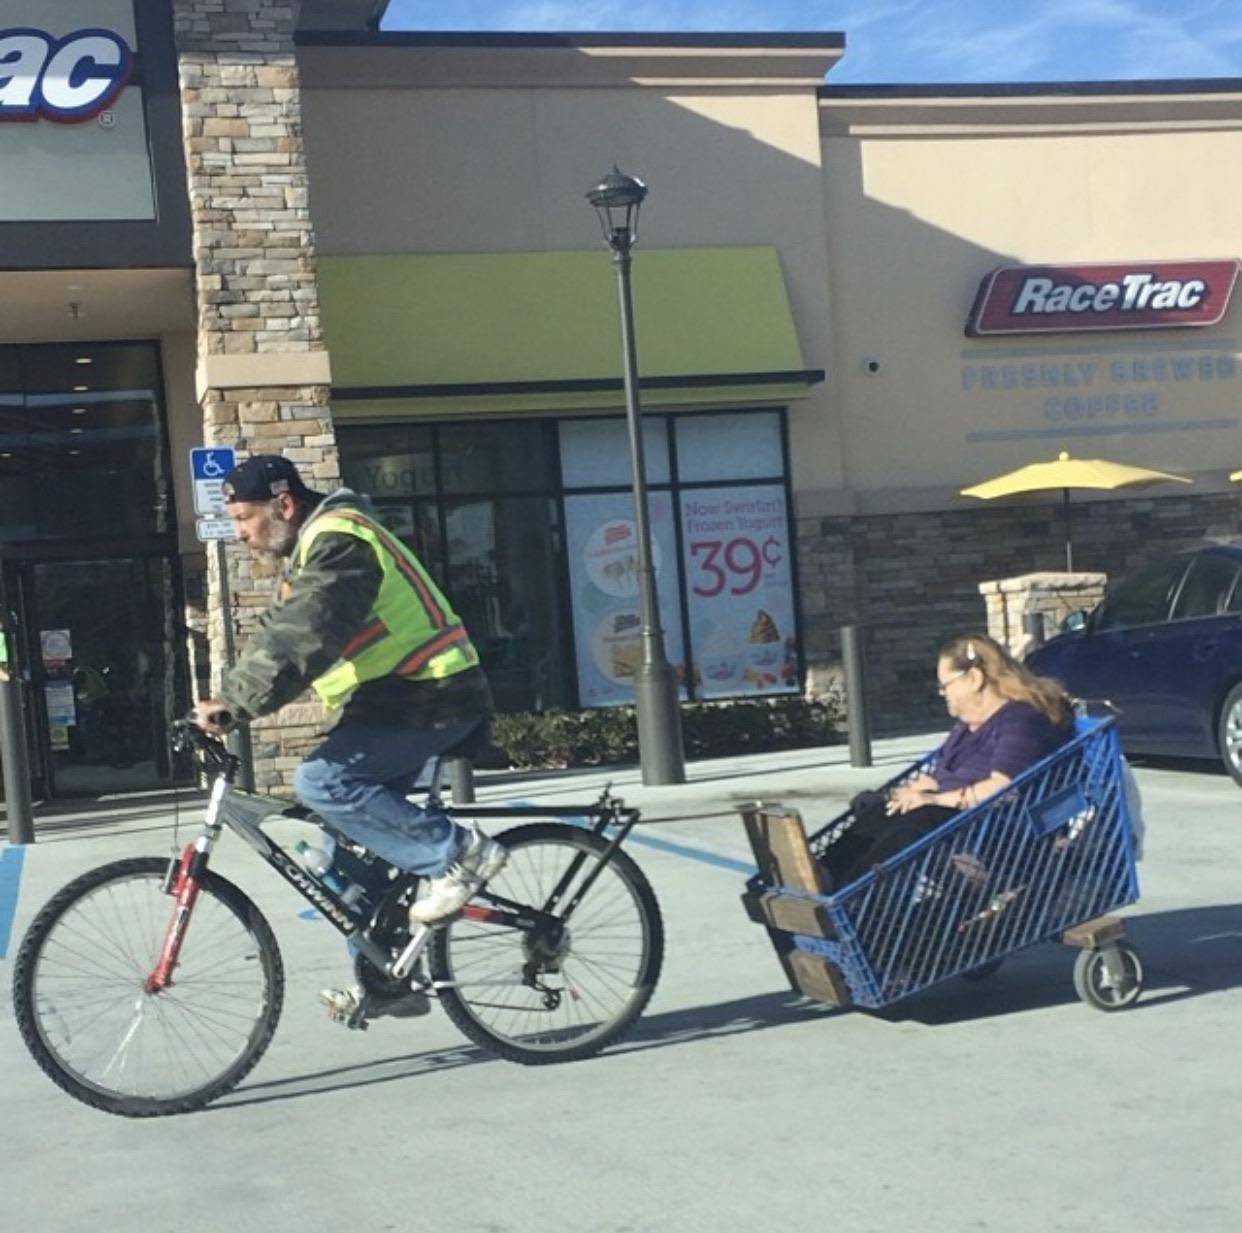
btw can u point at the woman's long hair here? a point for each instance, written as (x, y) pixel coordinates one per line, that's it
(1007, 676)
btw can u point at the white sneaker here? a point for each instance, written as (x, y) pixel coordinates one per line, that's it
(343, 1004)
(477, 863)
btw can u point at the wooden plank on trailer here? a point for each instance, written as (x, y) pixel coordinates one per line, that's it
(1092, 934)
(818, 979)
(782, 853)
(795, 915)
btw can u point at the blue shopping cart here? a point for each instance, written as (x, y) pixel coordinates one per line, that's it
(1045, 859)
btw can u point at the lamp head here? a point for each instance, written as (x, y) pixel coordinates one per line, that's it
(617, 198)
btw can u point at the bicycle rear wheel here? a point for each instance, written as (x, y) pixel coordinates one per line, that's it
(83, 1010)
(534, 1000)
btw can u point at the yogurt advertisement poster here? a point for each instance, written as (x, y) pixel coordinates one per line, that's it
(739, 589)
(603, 571)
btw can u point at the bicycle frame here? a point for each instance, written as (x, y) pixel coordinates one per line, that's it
(243, 812)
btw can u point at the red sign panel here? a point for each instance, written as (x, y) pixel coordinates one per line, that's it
(1039, 299)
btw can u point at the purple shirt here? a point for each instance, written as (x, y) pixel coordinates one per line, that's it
(1013, 739)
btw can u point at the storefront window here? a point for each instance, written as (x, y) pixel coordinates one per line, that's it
(388, 461)
(714, 447)
(501, 580)
(739, 590)
(82, 456)
(596, 453)
(495, 555)
(89, 574)
(495, 457)
(603, 577)
(543, 572)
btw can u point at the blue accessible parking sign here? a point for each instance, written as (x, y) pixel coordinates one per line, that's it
(208, 467)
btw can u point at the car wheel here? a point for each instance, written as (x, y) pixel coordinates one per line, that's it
(1229, 733)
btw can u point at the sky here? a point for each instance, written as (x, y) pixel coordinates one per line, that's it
(910, 40)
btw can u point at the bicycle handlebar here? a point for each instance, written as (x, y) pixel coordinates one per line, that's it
(188, 736)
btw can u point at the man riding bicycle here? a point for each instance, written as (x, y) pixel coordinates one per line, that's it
(357, 617)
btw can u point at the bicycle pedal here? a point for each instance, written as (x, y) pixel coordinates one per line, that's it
(352, 1016)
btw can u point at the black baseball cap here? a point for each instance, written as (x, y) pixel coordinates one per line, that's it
(262, 477)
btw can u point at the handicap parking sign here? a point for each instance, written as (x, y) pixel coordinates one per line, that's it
(208, 467)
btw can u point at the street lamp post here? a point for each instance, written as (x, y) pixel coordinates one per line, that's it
(617, 198)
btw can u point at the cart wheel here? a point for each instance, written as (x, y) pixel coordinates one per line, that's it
(1110, 978)
(984, 970)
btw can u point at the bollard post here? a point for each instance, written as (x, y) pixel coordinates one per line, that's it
(1033, 627)
(238, 741)
(16, 766)
(461, 781)
(853, 662)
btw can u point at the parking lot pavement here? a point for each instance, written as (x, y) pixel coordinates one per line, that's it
(1006, 1105)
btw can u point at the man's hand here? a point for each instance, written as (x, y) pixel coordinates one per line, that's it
(207, 714)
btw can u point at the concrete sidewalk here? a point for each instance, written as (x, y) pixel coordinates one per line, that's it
(1002, 1106)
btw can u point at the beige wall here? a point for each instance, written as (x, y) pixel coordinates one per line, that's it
(470, 170)
(919, 208)
(886, 214)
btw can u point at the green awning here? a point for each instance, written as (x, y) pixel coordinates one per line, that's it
(435, 333)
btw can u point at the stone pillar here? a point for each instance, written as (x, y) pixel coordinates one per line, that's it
(1055, 595)
(263, 372)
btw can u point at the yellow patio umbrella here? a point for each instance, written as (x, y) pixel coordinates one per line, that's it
(1066, 473)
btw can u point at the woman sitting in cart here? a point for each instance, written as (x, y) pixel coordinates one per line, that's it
(1007, 720)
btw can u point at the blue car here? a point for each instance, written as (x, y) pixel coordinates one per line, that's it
(1164, 646)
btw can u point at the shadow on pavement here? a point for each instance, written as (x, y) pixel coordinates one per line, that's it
(1209, 768)
(652, 1031)
(1185, 954)
(343, 1078)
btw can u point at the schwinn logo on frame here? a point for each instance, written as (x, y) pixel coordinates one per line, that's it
(310, 888)
(68, 79)
(1027, 299)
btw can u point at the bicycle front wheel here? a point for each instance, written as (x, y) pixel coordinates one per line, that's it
(529, 998)
(84, 1012)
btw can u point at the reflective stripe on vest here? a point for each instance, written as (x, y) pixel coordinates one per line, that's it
(411, 630)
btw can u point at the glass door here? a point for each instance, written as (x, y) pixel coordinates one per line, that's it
(97, 639)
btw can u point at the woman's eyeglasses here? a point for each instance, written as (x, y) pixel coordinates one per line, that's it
(942, 687)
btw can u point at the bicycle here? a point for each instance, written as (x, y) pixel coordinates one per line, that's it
(130, 1010)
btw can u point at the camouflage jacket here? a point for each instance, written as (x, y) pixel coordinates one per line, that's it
(317, 610)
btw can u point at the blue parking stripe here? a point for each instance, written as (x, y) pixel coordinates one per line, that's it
(674, 849)
(11, 861)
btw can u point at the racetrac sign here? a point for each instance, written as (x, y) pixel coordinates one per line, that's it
(68, 79)
(1038, 299)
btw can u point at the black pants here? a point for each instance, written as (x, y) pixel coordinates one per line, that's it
(875, 836)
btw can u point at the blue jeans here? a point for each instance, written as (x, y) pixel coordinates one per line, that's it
(357, 781)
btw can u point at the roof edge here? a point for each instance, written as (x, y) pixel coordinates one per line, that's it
(795, 40)
(1036, 89)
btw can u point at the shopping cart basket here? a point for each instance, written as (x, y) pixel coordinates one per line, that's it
(1044, 859)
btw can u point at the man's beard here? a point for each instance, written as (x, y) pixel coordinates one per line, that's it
(279, 537)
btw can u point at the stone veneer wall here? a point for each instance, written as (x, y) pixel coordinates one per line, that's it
(263, 383)
(913, 579)
(1048, 594)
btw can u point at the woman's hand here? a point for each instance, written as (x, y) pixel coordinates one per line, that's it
(908, 796)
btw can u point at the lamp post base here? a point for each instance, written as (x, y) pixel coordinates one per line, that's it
(659, 725)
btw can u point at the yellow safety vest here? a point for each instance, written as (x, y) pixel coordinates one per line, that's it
(411, 631)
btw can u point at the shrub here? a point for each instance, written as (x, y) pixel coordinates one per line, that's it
(555, 740)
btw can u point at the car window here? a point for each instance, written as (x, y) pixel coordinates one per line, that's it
(1234, 601)
(1206, 588)
(1143, 599)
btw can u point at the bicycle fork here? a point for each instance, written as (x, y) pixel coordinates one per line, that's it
(182, 880)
